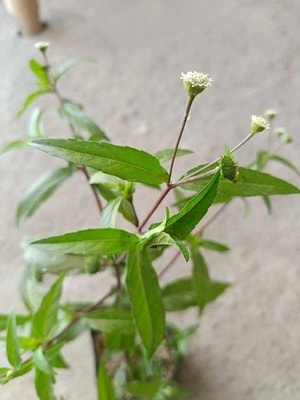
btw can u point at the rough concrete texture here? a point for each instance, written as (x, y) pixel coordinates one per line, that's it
(247, 346)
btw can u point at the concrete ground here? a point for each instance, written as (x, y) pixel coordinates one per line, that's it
(247, 346)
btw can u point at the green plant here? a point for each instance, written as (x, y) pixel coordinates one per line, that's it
(136, 351)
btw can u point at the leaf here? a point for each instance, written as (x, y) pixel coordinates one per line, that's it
(146, 301)
(249, 183)
(41, 362)
(62, 69)
(44, 385)
(206, 289)
(23, 369)
(35, 128)
(284, 161)
(110, 320)
(40, 191)
(12, 146)
(90, 241)
(40, 71)
(109, 213)
(212, 245)
(12, 345)
(74, 114)
(182, 223)
(179, 295)
(30, 99)
(20, 320)
(167, 154)
(143, 389)
(164, 239)
(105, 389)
(121, 161)
(45, 318)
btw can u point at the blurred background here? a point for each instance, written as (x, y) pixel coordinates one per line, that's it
(247, 346)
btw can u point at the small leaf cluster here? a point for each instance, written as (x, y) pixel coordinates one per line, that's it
(139, 350)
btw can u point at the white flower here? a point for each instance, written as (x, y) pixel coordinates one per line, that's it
(195, 82)
(42, 46)
(258, 124)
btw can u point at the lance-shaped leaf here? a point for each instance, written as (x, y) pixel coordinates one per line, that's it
(12, 344)
(40, 71)
(105, 389)
(41, 190)
(12, 146)
(90, 241)
(46, 316)
(75, 114)
(41, 362)
(146, 301)
(122, 161)
(110, 320)
(44, 385)
(249, 183)
(179, 295)
(182, 223)
(206, 290)
(62, 69)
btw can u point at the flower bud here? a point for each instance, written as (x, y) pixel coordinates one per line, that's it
(283, 136)
(258, 124)
(270, 113)
(229, 167)
(195, 82)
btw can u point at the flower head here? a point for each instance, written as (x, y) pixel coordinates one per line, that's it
(195, 82)
(42, 46)
(258, 124)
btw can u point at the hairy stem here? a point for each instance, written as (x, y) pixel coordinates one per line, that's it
(185, 118)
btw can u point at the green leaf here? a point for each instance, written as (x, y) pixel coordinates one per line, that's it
(212, 245)
(45, 318)
(249, 183)
(20, 320)
(143, 389)
(90, 241)
(12, 344)
(122, 161)
(40, 71)
(27, 343)
(14, 145)
(284, 161)
(182, 223)
(146, 301)
(41, 362)
(41, 190)
(164, 239)
(62, 69)
(35, 128)
(206, 289)
(167, 154)
(110, 320)
(44, 385)
(75, 115)
(109, 213)
(179, 295)
(30, 99)
(23, 369)
(105, 387)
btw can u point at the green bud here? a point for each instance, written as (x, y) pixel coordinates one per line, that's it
(195, 82)
(270, 114)
(92, 264)
(229, 167)
(283, 136)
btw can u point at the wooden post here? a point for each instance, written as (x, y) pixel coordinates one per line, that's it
(26, 14)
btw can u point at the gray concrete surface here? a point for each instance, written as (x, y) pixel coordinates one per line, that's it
(247, 346)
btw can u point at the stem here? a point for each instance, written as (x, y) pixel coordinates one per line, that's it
(154, 208)
(212, 163)
(185, 118)
(194, 179)
(71, 126)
